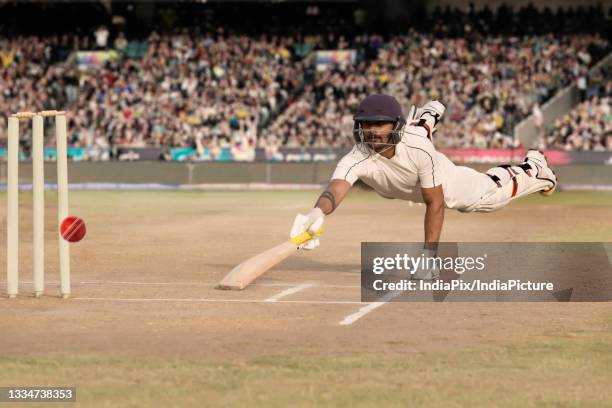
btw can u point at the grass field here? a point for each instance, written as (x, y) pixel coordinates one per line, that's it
(144, 326)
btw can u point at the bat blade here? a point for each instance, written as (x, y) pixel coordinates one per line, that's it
(246, 272)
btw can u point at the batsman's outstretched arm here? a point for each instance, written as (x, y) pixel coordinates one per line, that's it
(333, 195)
(434, 215)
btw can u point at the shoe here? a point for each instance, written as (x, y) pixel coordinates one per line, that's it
(543, 172)
(431, 113)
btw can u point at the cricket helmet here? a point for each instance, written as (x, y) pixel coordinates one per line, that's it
(378, 108)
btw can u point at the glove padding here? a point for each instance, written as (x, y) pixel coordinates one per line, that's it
(311, 222)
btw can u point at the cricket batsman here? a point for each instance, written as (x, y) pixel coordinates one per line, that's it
(392, 155)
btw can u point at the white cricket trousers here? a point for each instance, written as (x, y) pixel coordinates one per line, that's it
(507, 183)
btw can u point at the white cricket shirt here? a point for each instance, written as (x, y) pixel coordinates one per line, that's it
(416, 162)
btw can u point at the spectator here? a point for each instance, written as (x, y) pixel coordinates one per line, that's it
(101, 35)
(588, 126)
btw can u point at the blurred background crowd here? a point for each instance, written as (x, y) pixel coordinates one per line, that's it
(206, 81)
(488, 85)
(589, 125)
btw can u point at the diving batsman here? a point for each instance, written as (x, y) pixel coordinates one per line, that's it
(393, 154)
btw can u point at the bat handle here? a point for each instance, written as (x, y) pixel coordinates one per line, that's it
(305, 236)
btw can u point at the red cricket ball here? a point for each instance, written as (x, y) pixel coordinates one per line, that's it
(73, 229)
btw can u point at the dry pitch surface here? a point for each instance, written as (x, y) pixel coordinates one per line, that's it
(145, 327)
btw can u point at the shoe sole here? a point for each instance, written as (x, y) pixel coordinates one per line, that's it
(550, 191)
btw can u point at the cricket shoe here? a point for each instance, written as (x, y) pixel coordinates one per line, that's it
(537, 159)
(428, 116)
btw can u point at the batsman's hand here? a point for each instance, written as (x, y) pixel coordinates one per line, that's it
(311, 222)
(428, 270)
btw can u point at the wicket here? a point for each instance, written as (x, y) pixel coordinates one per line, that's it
(38, 194)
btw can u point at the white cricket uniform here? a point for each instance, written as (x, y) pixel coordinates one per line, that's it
(416, 162)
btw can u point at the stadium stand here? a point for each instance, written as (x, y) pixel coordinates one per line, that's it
(209, 88)
(589, 125)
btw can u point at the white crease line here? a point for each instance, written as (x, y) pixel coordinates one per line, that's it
(55, 283)
(167, 283)
(195, 300)
(352, 318)
(289, 291)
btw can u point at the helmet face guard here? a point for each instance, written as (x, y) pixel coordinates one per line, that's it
(378, 108)
(361, 135)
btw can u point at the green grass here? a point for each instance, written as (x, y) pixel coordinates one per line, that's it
(571, 370)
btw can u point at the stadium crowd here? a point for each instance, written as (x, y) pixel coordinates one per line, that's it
(183, 89)
(589, 125)
(210, 91)
(488, 85)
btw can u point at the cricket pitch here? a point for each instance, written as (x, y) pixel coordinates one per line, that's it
(144, 325)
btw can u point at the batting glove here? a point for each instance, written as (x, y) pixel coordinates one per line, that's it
(311, 222)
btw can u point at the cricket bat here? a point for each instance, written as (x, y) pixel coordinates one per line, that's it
(246, 272)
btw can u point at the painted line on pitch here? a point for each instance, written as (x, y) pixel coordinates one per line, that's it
(290, 291)
(352, 318)
(204, 300)
(321, 285)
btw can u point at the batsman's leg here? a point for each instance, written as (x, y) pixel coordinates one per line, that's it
(514, 182)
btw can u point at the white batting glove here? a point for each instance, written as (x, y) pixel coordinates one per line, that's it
(311, 222)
